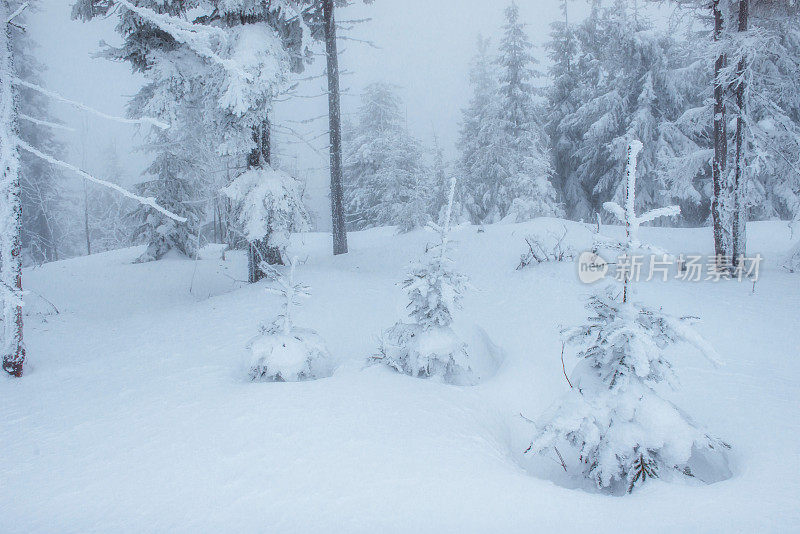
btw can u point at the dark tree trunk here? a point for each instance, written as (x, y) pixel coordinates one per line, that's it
(335, 125)
(739, 227)
(259, 251)
(720, 138)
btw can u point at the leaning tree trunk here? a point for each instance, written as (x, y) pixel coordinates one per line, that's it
(11, 209)
(259, 251)
(335, 125)
(720, 139)
(739, 226)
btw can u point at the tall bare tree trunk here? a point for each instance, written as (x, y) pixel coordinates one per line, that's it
(720, 137)
(335, 126)
(739, 227)
(11, 241)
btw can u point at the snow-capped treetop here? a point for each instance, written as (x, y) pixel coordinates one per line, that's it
(292, 292)
(627, 215)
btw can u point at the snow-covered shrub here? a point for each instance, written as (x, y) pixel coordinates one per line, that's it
(793, 259)
(429, 347)
(413, 350)
(546, 248)
(614, 420)
(792, 262)
(283, 352)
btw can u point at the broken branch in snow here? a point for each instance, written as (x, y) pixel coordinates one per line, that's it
(149, 201)
(55, 96)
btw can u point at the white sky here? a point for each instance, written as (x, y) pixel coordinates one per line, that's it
(425, 49)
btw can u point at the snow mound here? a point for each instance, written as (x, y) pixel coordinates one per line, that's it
(423, 353)
(280, 357)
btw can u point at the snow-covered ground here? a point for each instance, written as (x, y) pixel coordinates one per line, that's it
(136, 414)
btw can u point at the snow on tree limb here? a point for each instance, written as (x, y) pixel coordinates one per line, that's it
(150, 201)
(616, 210)
(55, 96)
(194, 36)
(651, 215)
(16, 13)
(41, 122)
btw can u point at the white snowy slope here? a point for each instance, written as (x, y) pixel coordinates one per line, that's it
(136, 414)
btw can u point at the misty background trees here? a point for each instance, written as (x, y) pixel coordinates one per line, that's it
(537, 138)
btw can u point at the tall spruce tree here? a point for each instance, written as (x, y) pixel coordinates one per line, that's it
(625, 89)
(505, 157)
(215, 83)
(384, 176)
(528, 191)
(479, 162)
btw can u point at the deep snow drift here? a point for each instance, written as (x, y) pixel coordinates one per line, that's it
(137, 415)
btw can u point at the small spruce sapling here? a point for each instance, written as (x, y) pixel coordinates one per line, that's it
(283, 352)
(621, 430)
(429, 347)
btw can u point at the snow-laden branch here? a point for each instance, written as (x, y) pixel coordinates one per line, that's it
(49, 124)
(147, 201)
(55, 96)
(17, 12)
(195, 36)
(651, 215)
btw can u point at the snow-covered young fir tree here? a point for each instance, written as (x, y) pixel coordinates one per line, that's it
(618, 428)
(283, 352)
(384, 179)
(429, 346)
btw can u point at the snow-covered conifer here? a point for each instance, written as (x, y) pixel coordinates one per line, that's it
(505, 160)
(283, 352)
(619, 427)
(214, 80)
(629, 81)
(384, 179)
(527, 191)
(428, 346)
(109, 213)
(270, 206)
(478, 165)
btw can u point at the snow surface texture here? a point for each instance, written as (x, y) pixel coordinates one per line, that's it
(135, 417)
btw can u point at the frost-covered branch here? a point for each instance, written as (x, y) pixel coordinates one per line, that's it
(55, 96)
(49, 124)
(195, 36)
(16, 13)
(149, 201)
